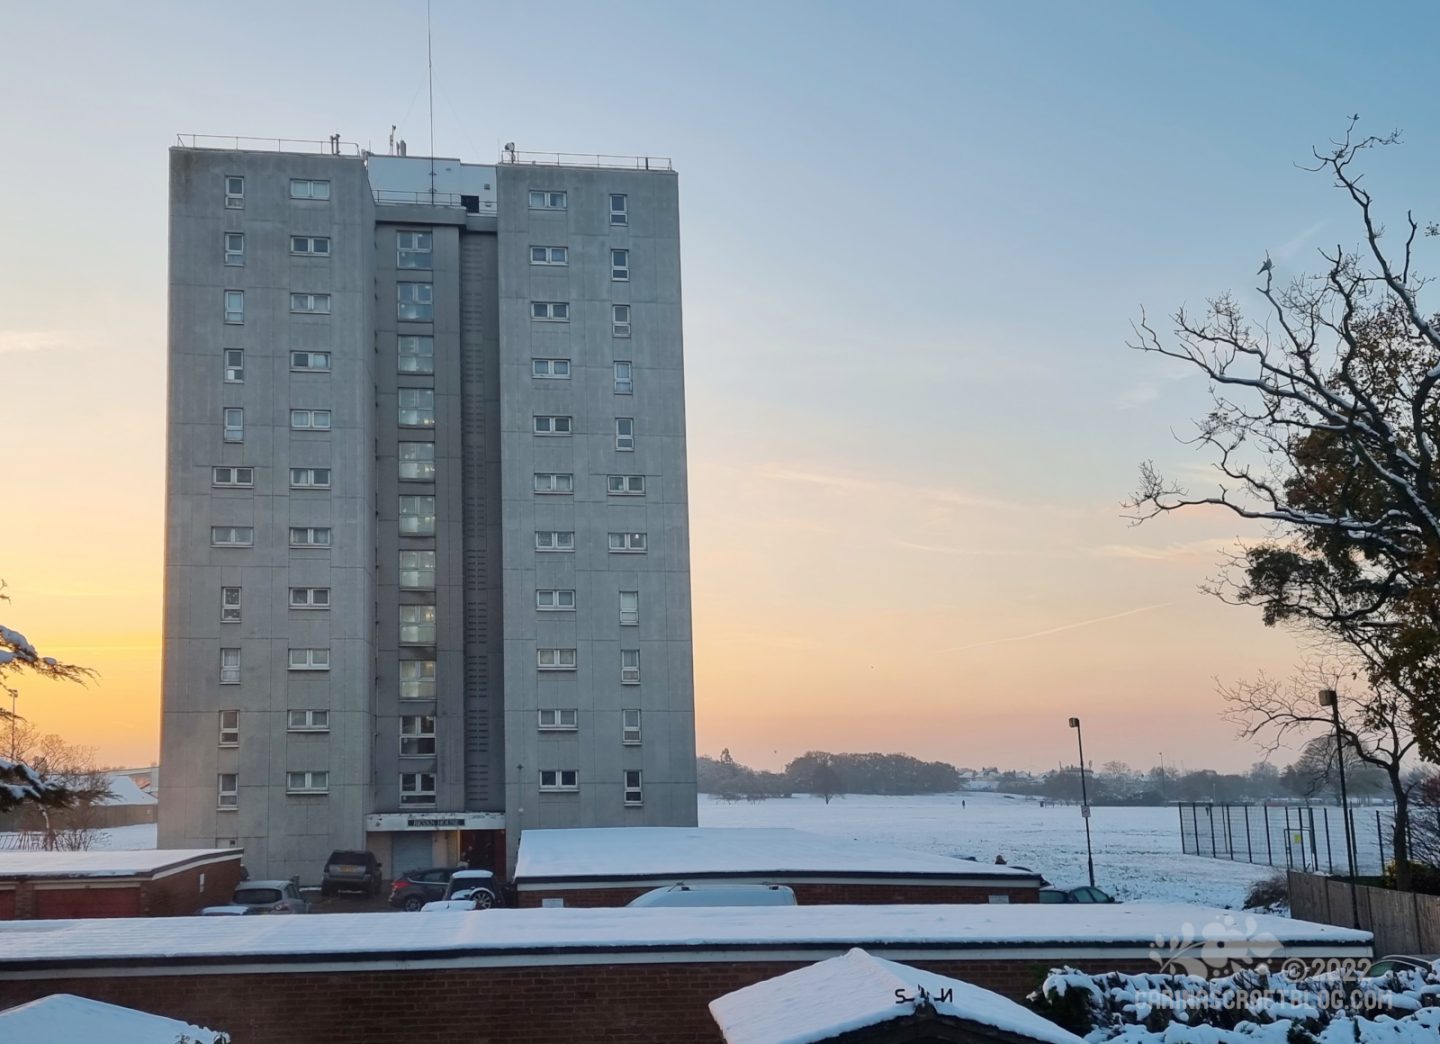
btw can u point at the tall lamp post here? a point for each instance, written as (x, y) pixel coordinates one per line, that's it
(1329, 698)
(1084, 802)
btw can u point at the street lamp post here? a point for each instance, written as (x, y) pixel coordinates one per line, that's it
(1329, 698)
(1084, 802)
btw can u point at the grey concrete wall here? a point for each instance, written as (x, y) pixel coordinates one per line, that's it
(666, 692)
(283, 834)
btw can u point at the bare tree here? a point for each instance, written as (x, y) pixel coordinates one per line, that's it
(1375, 730)
(1323, 425)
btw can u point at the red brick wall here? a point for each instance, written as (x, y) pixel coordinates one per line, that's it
(806, 894)
(7, 904)
(617, 1003)
(180, 895)
(82, 901)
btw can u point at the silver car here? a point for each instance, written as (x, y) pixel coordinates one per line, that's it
(276, 897)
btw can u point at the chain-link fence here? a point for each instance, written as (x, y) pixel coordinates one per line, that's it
(1296, 837)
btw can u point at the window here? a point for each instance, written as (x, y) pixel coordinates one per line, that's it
(552, 600)
(550, 311)
(543, 199)
(307, 782)
(417, 407)
(232, 536)
(229, 605)
(309, 536)
(634, 793)
(417, 736)
(620, 320)
(234, 248)
(619, 209)
(415, 302)
(417, 788)
(554, 540)
(227, 791)
(630, 726)
(234, 192)
(567, 720)
(629, 608)
(234, 359)
(237, 477)
(417, 354)
(310, 246)
(414, 250)
(554, 482)
(559, 779)
(417, 515)
(630, 666)
(553, 369)
(234, 424)
(548, 255)
(317, 304)
(309, 598)
(632, 542)
(310, 420)
(620, 266)
(235, 306)
(555, 659)
(310, 361)
(229, 728)
(229, 666)
(301, 188)
(549, 425)
(417, 570)
(626, 485)
(624, 379)
(417, 625)
(309, 659)
(309, 478)
(417, 679)
(417, 461)
(624, 433)
(309, 721)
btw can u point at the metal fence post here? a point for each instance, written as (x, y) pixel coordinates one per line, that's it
(1289, 853)
(1269, 849)
(1329, 855)
(1314, 851)
(1249, 845)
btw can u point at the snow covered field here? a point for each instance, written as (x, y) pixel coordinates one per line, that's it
(1137, 850)
(115, 839)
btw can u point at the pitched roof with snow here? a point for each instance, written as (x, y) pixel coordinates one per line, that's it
(125, 791)
(696, 853)
(63, 1018)
(857, 991)
(144, 862)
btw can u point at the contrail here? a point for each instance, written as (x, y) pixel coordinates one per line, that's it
(1064, 627)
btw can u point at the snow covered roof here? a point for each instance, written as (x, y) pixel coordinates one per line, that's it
(63, 1018)
(857, 991)
(146, 862)
(976, 931)
(125, 791)
(668, 854)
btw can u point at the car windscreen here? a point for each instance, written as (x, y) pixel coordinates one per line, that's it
(257, 896)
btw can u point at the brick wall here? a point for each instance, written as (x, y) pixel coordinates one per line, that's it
(178, 894)
(658, 1003)
(878, 893)
(185, 893)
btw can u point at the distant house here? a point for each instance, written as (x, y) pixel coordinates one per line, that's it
(859, 998)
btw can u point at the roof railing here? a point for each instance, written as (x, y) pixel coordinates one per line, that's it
(329, 147)
(581, 159)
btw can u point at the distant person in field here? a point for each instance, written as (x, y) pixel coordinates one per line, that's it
(999, 860)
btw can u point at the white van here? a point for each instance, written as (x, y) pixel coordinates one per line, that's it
(716, 895)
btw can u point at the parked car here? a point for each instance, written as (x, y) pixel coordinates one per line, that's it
(1083, 894)
(478, 885)
(716, 895)
(274, 897)
(414, 888)
(351, 872)
(1398, 962)
(444, 905)
(229, 910)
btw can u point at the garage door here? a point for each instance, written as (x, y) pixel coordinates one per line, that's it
(409, 851)
(87, 902)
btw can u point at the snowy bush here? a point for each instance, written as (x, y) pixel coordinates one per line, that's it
(1248, 1007)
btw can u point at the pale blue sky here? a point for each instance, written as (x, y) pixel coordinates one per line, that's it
(915, 235)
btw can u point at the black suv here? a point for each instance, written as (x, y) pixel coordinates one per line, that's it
(351, 872)
(414, 888)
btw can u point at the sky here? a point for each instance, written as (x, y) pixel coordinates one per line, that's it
(915, 236)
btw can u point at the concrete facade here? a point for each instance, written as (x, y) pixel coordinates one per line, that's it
(420, 668)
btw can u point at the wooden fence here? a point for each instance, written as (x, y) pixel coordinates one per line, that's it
(1402, 922)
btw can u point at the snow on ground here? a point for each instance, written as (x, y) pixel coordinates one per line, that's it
(1137, 850)
(112, 839)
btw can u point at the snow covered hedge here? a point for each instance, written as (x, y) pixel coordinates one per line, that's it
(1248, 1007)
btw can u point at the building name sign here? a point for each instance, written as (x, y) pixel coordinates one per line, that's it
(391, 821)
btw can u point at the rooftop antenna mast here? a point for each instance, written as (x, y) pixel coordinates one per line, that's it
(430, 77)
